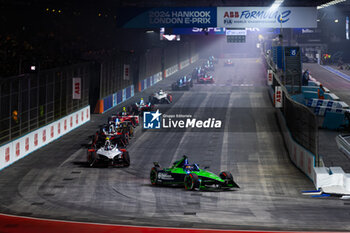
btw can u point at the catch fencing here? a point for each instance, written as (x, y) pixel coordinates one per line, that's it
(30, 101)
(300, 120)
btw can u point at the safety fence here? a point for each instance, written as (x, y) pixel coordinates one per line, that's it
(301, 121)
(298, 124)
(30, 101)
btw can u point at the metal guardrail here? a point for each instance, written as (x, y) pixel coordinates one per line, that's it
(343, 143)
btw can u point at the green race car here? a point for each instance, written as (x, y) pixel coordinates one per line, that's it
(191, 176)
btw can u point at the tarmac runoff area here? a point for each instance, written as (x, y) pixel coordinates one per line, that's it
(54, 182)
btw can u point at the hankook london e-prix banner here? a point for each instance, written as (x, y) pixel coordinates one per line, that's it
(224, 17)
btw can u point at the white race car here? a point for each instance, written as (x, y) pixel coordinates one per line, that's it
(161, 97)
(108, 154)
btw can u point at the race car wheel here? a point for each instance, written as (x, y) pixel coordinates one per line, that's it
(170, 98)
(154, 175)
(192, 182)
(226, 175)
(126, 159)
(173, 87)
(91, 158)
(131, 131)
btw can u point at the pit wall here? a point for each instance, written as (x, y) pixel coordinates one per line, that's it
(21, 147)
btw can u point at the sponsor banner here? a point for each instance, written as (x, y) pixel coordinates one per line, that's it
(132, 90)
(119, 96)
(175, 17)
(124, 94)
(194, 58)
(264, 17)
(171, 70)
(5, 152)
(126, 72)
(76, 88)
(278, 97)
(269, 77)
(114, 99)
(148, 80)
(184, 64)
(199, 31)
(157, 77)
(21, 147)
(128, 92)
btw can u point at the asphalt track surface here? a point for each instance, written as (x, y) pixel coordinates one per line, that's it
(55, 183)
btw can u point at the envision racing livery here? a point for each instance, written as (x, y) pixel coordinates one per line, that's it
(190, 176)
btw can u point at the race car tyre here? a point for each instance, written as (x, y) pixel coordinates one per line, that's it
(173, 87)
(131, 131)
(126, 159)
(91, 158)
(212, 81)
(191, 182)
(225, 175)
(191, 83)
(154, 175)
(187, 88)
(170, 98)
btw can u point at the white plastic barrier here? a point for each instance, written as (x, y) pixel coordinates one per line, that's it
(171, 70)
(184, 64)
(332, 180)
(302, 158)
(19, 148)
(194, 58)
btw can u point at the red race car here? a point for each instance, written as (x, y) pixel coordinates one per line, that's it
(139, 108)
(125, 116)
(206, 78)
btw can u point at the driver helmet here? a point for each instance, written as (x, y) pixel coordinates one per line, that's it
(111, 129)
(104, 131)
(117, 121)
(160, 92)
(142, 102)
(108, 145)
(124, 111)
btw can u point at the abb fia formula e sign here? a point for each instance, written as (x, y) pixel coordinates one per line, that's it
(126, 72)
(269, 77)
(264, 17)
(76, 88)
(278, 97)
